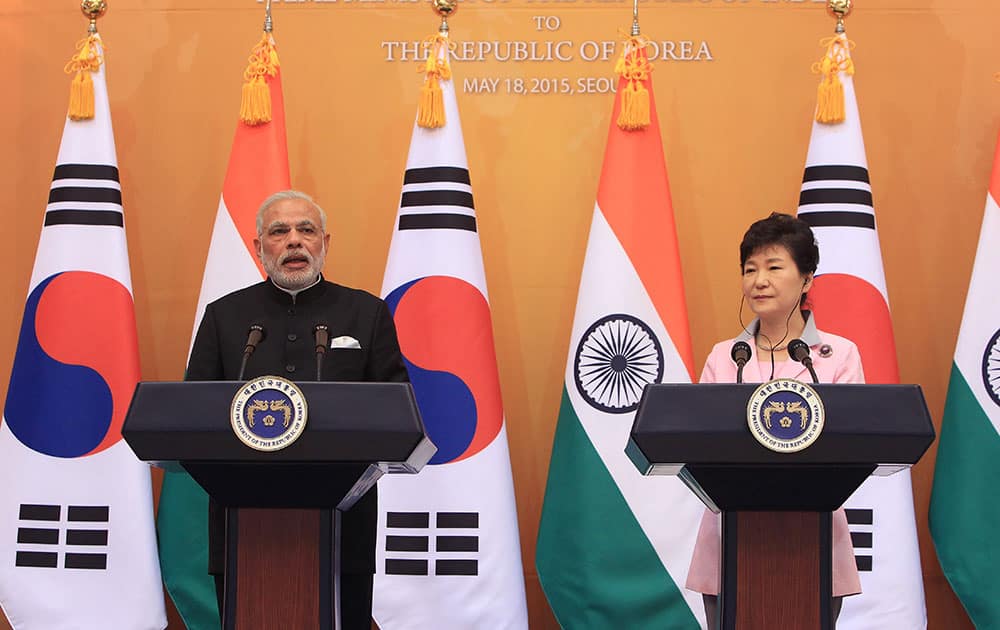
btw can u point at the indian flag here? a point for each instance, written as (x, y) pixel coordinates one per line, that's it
(614, 546)
(258, 167)
(964, 513)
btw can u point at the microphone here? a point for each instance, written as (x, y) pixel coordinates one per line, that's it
(740, 354)
(322, 335)
(254, 336)
(798, 350)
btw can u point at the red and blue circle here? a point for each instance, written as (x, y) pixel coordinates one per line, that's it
(446, 336)
(76, 365)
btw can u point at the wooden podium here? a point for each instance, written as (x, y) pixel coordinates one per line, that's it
(776, 507)
(284, 507)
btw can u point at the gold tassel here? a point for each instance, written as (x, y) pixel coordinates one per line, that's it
(255, 104)
(830, 93)
(85, 62)
(634, 67)
(430, 109)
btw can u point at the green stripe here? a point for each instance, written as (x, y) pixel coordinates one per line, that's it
(182, 527)
(596, 566)
(964, 512)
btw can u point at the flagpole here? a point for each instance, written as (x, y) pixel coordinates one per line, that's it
(268, 24)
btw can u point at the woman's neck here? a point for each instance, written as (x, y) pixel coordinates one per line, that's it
(779, 331)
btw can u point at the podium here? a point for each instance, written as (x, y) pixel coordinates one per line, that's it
(776, 507)
(283, 507)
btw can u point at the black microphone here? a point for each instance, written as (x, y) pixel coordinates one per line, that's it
(254, 336)
(740, 354)
(799, 350)
(322, 335)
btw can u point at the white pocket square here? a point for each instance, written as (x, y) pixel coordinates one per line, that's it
(345, 342)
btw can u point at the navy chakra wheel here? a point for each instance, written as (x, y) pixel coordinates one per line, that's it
(991, 367)
(617, 356)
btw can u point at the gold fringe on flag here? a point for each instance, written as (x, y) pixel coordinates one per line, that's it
(830, 93)
(634, 67)
(255, 106)
(85, 62)
(430, 110)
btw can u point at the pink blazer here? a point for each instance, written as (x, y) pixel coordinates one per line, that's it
(836, 360)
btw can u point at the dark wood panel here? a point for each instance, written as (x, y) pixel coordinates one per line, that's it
(778, 568)
(278, 570)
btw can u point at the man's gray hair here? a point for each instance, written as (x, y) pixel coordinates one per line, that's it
(282, 196)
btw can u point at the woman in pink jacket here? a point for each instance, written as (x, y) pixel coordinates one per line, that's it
(778, 258)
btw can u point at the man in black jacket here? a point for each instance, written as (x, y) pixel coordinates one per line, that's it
(292, 243)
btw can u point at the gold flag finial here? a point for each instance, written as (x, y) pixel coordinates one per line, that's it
(446, 9)
(430, 109)
(830, 104)
(84, 63)
(839, 9)
(93, 9)
(268, 24)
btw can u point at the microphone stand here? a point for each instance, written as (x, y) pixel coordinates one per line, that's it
(322, 335)
(254, 337)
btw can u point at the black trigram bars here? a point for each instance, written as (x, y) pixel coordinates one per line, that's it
(861, 540)
(437, 198)
(41, 526)
(844, 197)
(454, 534)
(85, 194)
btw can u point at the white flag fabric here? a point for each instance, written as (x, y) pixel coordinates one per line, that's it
(76, 512)
(850, 299)
(449, 555)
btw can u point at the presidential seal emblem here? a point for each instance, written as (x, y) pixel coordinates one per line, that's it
(785, 415)
(268, 413)
(617, 357)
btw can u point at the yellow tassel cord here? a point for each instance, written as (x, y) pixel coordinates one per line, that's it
(430, 110)
(634, 67)
(255, 106)
(830, 93)
(85, 62)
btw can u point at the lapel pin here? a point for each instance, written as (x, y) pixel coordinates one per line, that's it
(825, 350)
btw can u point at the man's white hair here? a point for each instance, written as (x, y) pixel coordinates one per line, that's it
(282, 196)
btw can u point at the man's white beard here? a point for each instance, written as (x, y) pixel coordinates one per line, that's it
(293, 280)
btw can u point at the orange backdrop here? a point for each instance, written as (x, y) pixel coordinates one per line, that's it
(735, 103)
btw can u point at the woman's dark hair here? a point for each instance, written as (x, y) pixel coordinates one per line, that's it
(782, 229)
